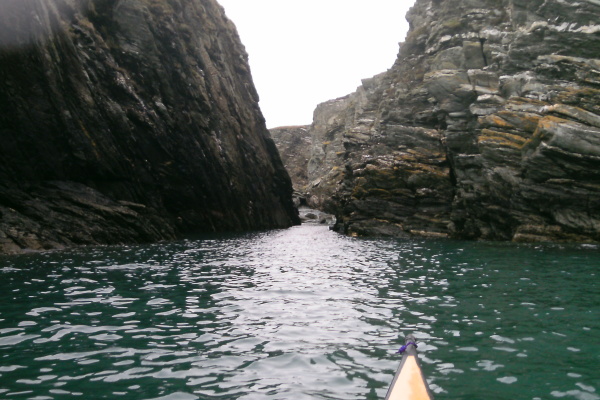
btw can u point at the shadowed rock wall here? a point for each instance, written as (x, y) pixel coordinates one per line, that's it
(486, 127)
(127, 121)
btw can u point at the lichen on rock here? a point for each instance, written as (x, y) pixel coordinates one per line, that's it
(486, 127)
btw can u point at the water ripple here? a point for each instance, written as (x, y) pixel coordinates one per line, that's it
(301, 313)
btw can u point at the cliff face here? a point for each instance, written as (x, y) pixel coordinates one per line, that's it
(487, 126)
(130, 120)
(293, 144)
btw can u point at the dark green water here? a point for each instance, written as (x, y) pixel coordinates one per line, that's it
(300, 314)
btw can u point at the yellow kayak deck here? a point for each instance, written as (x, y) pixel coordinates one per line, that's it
(409, 382)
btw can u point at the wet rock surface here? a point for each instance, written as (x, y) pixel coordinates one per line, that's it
(486, 127)
(313, 216)
(130, 121)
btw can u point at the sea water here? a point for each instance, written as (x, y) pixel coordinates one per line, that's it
(301, 313)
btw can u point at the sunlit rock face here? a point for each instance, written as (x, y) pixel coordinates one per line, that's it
(486, 127)
(130, 121)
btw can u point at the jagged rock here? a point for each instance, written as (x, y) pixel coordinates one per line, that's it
(486, 127)
(293, 143)
(312, 216)
(130, 121)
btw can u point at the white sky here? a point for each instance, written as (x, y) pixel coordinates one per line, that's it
(305, 52)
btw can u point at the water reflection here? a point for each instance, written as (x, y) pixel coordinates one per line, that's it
(299, 313)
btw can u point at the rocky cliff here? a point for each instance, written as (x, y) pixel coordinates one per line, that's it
(130, 121)
(486, 127)
(294, 144)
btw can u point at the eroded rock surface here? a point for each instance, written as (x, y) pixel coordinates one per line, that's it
(293, 143)
(129, 121)
(486, 127)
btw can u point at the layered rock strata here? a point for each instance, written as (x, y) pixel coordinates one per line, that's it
(486, 127)
(130, 121)
(293, 144)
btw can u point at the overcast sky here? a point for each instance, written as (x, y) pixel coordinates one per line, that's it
(305, 52)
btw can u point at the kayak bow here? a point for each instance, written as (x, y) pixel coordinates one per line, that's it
(409, 383)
